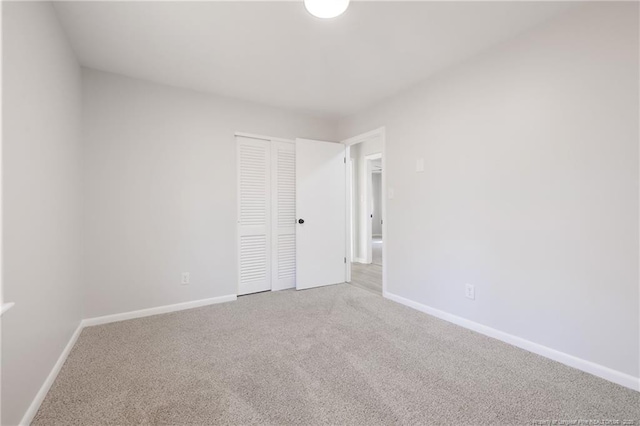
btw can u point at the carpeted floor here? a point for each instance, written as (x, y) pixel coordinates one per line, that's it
(333, 355)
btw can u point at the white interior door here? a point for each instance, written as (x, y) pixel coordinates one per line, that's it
(320, 207)
(283, 229)
(254, 215)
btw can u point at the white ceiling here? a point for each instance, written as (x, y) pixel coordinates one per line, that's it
(276, 53)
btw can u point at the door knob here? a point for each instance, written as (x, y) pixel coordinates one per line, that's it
(300, 221)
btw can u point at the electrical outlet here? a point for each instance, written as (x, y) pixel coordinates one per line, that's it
(470, 291)
(185, 278)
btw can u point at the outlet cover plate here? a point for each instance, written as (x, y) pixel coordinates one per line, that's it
(470, 291)
(184, 280)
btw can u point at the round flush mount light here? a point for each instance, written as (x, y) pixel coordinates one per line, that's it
(326, 9)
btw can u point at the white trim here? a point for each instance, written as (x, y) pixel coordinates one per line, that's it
(348, 212)
(5, 307)
(157, 310)
(601, 371)
(382, 134)
(360, 260)
(350, 244)
(42, 393)
(263, 137)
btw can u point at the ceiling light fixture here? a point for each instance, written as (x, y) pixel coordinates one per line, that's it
(326, 9)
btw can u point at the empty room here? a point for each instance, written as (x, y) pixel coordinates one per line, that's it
(309, 212)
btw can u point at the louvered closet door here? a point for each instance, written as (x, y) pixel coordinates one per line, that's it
(254, 215)
(283, 166)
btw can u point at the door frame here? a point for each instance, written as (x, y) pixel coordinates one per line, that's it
(363, 137)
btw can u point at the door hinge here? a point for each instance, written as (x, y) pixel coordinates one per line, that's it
(345, 160)
(345, 260)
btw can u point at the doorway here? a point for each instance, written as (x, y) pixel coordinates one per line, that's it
(300, 198)
(367, 207)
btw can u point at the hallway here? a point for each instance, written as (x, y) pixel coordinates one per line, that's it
(369, 276)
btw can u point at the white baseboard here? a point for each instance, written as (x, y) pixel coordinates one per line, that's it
(376, 235)
(360, 260)
(42, 393)
(289, 287)
(601, 371)
(157, 310)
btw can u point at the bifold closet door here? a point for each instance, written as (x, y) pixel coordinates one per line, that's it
(283, 167)
(254, 215)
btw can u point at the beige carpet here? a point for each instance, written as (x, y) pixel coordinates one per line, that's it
(334, 355)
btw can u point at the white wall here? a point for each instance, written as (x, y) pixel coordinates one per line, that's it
(160, 189)
(41, 188)
(530, 189)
